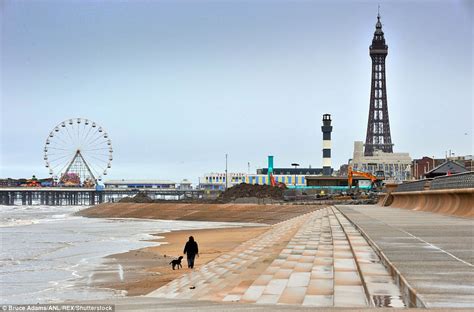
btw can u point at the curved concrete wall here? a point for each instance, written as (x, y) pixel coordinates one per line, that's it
(458, 202)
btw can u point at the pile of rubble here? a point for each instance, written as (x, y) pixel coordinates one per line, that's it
(141, 198)
(245, 190)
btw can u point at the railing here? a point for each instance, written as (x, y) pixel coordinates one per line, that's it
(413, 186)
(455, 181)
(83, 196)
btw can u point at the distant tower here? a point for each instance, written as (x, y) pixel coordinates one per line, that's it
(378, 128)
(327, 129)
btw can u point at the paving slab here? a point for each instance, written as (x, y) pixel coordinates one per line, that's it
(432, 252)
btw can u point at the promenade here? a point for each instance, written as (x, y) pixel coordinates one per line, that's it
(432, 252)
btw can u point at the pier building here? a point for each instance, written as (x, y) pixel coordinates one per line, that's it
(140, 184)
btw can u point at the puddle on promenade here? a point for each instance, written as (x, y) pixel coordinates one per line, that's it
(383, 301)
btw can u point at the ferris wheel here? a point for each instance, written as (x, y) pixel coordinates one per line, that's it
(78, 151)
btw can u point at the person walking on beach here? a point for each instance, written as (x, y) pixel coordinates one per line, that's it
(191, 250)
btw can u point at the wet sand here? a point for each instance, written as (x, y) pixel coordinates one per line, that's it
(147, 269)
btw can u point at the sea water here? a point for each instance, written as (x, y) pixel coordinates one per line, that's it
(49, 255)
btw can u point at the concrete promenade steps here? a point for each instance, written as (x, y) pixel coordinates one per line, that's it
(431, 253)
(457, 202)
(318, 260)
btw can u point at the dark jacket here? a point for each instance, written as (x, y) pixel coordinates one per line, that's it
(191, 248)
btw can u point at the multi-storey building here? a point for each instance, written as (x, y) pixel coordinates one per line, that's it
(393, 166)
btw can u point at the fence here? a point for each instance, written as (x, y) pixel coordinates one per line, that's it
(455, 181)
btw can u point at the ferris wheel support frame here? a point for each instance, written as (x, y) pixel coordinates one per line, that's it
(78, 154)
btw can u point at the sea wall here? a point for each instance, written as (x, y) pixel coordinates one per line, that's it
(457, 202)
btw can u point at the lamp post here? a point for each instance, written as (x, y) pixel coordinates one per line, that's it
(226, 171)
(296, 166)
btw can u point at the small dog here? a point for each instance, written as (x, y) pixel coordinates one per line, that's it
(177, 262)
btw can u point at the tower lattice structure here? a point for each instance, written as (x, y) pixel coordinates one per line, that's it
(378, 127)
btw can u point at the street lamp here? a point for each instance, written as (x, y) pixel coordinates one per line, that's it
(226, 171)
(296, 166)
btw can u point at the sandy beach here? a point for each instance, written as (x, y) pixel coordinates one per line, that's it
(147, 269)
(252, 213)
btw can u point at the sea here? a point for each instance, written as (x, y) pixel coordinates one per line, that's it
(49, 255)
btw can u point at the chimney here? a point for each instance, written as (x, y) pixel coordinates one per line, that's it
(327, 129)
(270, 169)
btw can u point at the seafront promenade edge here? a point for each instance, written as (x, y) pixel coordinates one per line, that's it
(432, 253)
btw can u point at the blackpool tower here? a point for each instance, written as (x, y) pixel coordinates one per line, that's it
(378, 127)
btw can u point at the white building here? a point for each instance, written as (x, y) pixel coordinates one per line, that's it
(217, 181)
(185, 185)
(394, 166)
(140, 184)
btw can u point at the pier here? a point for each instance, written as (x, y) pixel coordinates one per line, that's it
(66, 196)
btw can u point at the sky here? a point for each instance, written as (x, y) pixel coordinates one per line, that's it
(179, 84)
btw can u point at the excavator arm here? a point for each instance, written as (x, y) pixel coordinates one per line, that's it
(352, 173)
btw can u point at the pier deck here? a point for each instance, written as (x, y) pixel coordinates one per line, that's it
(77, 196)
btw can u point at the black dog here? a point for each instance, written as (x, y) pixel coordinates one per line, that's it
(177, 262)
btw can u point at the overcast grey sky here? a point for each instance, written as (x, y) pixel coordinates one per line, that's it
(178, 84)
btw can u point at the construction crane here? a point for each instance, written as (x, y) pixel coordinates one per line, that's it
(352, 173)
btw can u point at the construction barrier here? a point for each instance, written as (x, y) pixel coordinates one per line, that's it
(457, 202)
